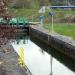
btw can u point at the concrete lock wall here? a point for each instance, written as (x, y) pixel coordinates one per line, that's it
(54, 42)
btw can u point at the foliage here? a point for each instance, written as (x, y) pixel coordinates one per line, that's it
(29, 3)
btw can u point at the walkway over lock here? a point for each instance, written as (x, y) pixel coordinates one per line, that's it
(15, 21)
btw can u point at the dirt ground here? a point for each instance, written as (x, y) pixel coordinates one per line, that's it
(9, 62)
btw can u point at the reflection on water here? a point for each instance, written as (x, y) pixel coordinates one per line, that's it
(42, 61)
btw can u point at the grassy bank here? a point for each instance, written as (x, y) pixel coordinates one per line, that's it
(63, 28)
(27, 13)
(22, 12)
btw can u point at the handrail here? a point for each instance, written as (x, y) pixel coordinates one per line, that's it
(62, 6)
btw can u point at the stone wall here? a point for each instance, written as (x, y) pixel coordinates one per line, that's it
(58, 44)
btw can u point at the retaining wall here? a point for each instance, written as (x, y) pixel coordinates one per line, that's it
(58, 44)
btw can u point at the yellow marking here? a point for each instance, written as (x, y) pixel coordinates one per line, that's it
(21, 53)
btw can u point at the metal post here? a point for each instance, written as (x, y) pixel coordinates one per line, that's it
(49, 29)
(42, 22)
(51, 59)
(52, 28)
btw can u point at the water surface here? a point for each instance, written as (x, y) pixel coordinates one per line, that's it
(39, 61)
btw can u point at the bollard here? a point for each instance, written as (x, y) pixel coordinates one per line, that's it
(21, 59)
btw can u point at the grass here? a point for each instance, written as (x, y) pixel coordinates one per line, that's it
(63, 28)
(65, 12)
(24, 12)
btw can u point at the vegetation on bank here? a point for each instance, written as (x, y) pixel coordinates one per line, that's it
(67, 29)
(63, 17)
(22, 12)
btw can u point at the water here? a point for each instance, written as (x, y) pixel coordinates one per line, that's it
(43, 60)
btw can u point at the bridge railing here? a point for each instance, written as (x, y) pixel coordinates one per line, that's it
(14, 21)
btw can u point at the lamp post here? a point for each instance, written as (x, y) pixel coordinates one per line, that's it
(52, 27)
